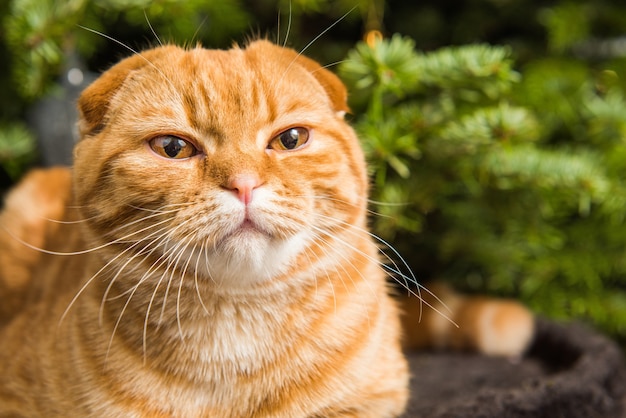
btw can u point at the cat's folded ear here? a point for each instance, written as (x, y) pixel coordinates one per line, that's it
(334, 87)
(94, 101)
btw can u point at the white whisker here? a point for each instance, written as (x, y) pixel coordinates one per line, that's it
(379, 203)
(89, 250)
(103, 268)
(180, 285)
(336, 22)
(332, 64)
(195, 276)
(160, 238)
(164, 257)
(395, 271)
(313, 41)
(288, 26)
(151, 28)
(132, 292)
(162, 209)
(158, 264)
(62, 222)
(172, 264)
(93, 277)
(195, 34)
(327, 243)
(345, 202)
(150, 63)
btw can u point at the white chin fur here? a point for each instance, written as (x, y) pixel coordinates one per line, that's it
(249, 257)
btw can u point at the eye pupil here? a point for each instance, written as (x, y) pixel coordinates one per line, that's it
(289, 138)
(173, 146)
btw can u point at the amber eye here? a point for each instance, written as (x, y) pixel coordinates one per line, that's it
(290, 139)
(172, 147)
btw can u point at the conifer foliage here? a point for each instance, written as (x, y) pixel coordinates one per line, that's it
(498, 180)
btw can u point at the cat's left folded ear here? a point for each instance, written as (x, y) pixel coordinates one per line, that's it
(93, 103)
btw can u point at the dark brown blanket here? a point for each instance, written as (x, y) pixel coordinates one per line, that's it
(569, 372)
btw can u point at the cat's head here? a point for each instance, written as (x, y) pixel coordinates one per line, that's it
(233, 165)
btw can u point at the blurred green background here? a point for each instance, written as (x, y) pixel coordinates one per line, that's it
(495, 129)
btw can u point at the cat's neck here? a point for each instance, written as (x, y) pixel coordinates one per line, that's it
(214, 325)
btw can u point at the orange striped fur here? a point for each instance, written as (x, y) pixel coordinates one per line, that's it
(235, 281)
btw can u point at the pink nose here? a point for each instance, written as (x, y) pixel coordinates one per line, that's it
(243, 185)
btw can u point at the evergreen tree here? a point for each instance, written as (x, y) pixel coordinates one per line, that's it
(500, 181)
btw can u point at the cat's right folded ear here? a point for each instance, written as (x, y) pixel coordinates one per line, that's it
(336, 90)
(334, 87)
(93, 103)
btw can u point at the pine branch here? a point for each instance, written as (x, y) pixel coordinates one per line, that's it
(17, 149)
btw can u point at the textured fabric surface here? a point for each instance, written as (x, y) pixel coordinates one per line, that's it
(570, 371)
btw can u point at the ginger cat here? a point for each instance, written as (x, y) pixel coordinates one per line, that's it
(208, 255)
